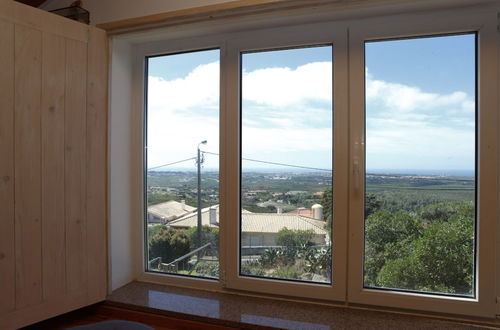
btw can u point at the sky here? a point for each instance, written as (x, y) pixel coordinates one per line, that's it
(420, 106)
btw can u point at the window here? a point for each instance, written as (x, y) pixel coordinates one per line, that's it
(420, 163)
(182, 177)
(352, 161)
(286, 175)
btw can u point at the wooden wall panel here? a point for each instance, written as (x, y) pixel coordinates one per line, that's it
(7, 225)
(53, 192)
(53, 165)
(28, 53)
(97, 99)
(75, 165)
(34, 18)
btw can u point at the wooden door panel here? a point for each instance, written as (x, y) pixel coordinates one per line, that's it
(74, 169)
(53, 169)
(27, 155)
(53, 190)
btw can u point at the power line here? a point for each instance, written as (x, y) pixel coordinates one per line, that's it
(273, 163)
(247, 159)
(177, 162)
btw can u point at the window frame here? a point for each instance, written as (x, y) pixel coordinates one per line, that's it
(141, 54)
(348, 39)
(334, 34)
(484, 24)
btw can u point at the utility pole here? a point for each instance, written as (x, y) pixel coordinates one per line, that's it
(199, 161)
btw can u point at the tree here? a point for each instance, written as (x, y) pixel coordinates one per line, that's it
(432, 250)
(327, 203)
(294, 238)
(441, 260)
(169, 244)
(387, 237)
(372, 204)
(208, 235)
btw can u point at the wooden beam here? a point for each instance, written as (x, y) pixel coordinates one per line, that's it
(244, 8)
(210, 12)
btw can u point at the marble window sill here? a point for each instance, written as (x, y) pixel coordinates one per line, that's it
(250, 312)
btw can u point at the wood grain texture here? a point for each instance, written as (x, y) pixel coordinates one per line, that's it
(52, 259)
(75, 165)
(28, 48)
(7, 224)
(53, 196)
(34, 18)
(190, 15)
(97, 121)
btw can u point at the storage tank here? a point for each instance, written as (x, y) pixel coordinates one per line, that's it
(317, 211)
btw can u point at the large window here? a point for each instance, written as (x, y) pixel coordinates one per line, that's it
(286, 171)
(351, 161)
(182, 176)
(420, 200)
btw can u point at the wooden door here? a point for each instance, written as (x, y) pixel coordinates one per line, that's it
(53, 165)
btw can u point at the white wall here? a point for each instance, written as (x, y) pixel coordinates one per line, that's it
(102, 11)
(121, 250)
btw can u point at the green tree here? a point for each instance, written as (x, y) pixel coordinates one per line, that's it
(441, 260)
(432, 250)
(445, 211)
(372, 204)
(208, 235)
(327, 203)
(387, 237)
(169, 244)
(294, 238)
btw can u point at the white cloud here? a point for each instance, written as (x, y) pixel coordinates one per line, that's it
(402, 98)
(412, 128)
(200, 88)
(280, 87)
(287, 112)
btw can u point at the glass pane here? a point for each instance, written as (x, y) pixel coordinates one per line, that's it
(420, 200)
(182, 181)
(286, 171)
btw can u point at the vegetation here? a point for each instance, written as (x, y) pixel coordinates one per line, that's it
(208, 235)
(431, 250)
(419, 230)
(168, 244)
(296, 258)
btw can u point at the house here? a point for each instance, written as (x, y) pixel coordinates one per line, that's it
(168, 211)
(258, 229)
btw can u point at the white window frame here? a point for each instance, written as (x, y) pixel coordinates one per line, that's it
(484, 22)
(282, 38)
(347, 38)
(141, 54)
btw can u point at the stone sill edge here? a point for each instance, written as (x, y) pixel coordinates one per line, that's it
(225, 322)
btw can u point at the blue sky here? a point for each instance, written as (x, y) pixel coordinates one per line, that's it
(419, 105)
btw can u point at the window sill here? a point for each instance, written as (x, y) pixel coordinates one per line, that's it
(239, 310)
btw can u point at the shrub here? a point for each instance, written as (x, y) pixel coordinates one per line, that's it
(252, 269)
(287, 272)
(169, 244)
(294, 238)
(207, 268)
(208, 235)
